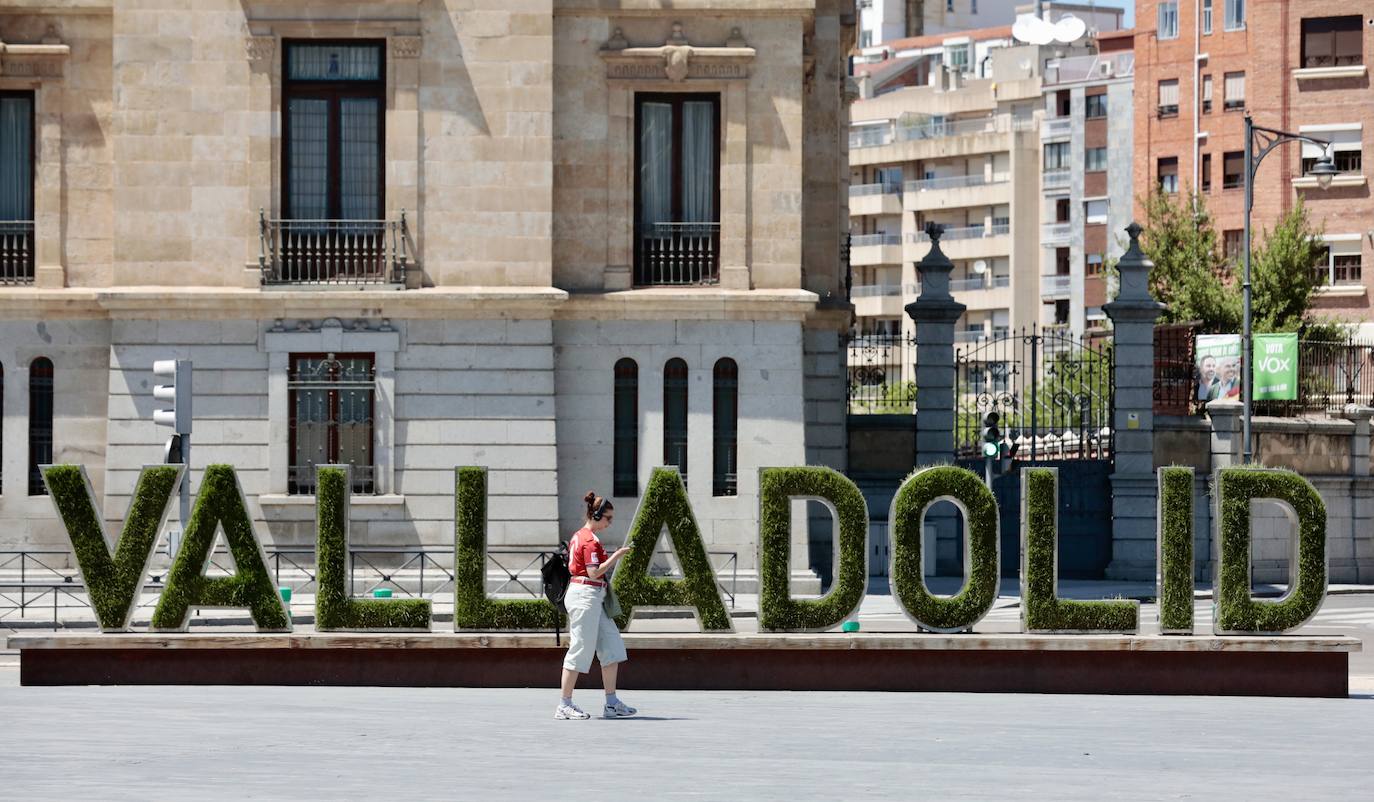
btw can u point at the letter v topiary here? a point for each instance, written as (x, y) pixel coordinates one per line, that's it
(1175, 550)
(472, 608)
(778, 611)
(113, 583)
(334, 608)
(220, 504)
(665, 504)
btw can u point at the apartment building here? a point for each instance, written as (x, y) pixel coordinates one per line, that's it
(1295, 66)
(882, 23)
(563, 240)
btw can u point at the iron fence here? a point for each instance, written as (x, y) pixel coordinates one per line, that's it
(1175, 369)
(677, 253)
(16, 252)
(1332, 374)
(333, 251)
(882, 372)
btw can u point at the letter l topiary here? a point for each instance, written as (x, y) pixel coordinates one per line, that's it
(1174, 550)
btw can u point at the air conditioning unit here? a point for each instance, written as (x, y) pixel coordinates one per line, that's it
(1104, 69)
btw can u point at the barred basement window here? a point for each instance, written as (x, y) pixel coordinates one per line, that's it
(331, 397)
(626, 456)
(675, 415)
(40, 422)
(725, 420)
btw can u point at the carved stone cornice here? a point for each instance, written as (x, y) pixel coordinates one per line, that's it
(260, 48)
(44, 60)
(677, 59)
(406, 46)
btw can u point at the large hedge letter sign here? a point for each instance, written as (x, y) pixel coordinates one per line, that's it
(665, 504)
(1234, 611)
(114, 582)
(778, 611)
(1041, 608)
(472, 608)
(220, 505)
(1174, 550)
(334, 608)
(981, 534)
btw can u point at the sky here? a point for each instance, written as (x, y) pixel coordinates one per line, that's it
(1129, 5)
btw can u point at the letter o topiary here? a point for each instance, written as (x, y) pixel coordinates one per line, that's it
(1042, 610)
(778, 611)
(113, 583)
(220, 504)
(472, 608)
(1234, 611)
(1174, 550)
(334, 608)
(665, 504)
(981, 541)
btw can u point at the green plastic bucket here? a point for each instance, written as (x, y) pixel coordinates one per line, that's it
(381, 593)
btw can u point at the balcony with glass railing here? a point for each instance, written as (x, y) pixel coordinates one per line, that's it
(1056, 178)
(869, 135)
(952, 192)
(875, 199)
(875, 249)
(1055, 285)
(1055, 234)
(1056, 127)
(16, 252)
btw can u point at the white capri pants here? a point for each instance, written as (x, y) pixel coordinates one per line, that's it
(589, 628)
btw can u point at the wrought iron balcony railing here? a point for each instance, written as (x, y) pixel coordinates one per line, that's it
(16, 252)
(334, 252)
(670, 254)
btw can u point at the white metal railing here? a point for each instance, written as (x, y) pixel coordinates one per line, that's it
(873, 136)
(1056, 232)
(16, 252)
(966, 284)
(875, 290)
(1055, 285)
(1056, 126)
(864, 190)
(869, 240)
(956, 182)
(1056, 178)
(1089, 68)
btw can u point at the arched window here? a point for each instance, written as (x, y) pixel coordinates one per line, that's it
(626, 457)
(675, 415)
(725, 422)
(40, 422)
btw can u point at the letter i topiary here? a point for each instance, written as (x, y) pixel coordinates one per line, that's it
(665, 504)
(778, 611)
(472, 608)
(1175, 550)
(1234, 611)
(334, 608)
(113, 583)
(981, 540)
(1041, 608)
(220, 504)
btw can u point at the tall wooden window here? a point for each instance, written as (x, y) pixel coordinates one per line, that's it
(675, 415)
(626, 456)
(40, 422)
(725, 423)
(16, 188)
(331, 397)
(677, 188)
(1166, 170)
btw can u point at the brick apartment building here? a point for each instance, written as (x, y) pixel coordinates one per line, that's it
(1296, 66)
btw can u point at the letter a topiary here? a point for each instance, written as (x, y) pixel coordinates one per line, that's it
(1041, 608)
(665, 504)
(778, 611)
(1234, 611)
(334, 608)
(981, 535)
(472, 608)
(220, 504)
(1175, 550)
(114, 583)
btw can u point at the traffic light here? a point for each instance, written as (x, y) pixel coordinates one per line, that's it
(179, 416)
(992, 436)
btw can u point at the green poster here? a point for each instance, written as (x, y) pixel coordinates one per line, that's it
(1276, 367)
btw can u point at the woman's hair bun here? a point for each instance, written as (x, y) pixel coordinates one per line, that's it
(590, 498)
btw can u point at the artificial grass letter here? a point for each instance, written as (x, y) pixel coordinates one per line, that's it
(1041, 608)
(220, 504)
(472, 608)
(1174, 545)
(1234, 611)
(665, 504)
(334, 608)
(981, 543)
(778, 611)
(114, 583)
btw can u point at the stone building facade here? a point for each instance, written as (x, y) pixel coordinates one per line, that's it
(563, 239)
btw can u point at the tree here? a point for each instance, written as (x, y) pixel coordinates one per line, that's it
(1281, 272)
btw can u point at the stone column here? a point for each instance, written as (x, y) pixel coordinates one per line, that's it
(1227, 439)
(934, 312)
(1361, 492)
(1134, 489)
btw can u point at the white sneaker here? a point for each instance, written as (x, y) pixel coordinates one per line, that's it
(618, 710)
(565, 712)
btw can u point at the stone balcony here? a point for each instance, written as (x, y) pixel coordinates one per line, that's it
(957, 192)
(875, 249)
(875, 199)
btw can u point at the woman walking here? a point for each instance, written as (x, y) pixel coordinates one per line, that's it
(590, 627)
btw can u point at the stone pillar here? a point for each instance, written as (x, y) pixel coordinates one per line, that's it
(1134, 490)
(1361, 492)
(934, 312)
(1228, 449)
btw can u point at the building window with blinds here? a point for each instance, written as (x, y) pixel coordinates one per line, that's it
(1346, 147)
(1235, 15)
(1232, 169)
(677, 189)
(725, 422)
(1167, 171)
(675, 415)
(16, 188)
(1168, 20)
(626, 429)
(1206, 94)
(41, 376)
(1339, 263)
(331, 398)
(1168, 98)
(1332, 42)
(1235, 91)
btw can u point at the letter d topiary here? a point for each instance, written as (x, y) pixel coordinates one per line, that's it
(778, 611)
(472, 608)
(1234, 611)
(981, 535)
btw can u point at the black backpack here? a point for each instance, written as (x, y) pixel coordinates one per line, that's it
(556, 576)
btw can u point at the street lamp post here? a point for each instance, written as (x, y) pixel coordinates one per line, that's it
(1258, 142)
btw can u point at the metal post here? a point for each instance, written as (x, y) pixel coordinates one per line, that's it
(987, 471)
(185, 506)
(1245, 347)
(1035, 388)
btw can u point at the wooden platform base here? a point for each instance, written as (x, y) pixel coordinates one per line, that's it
(1107, 664)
